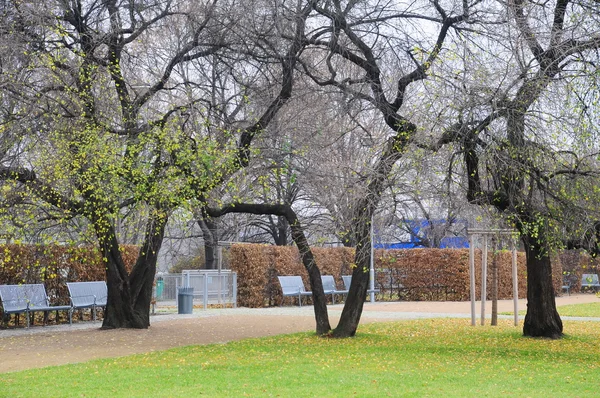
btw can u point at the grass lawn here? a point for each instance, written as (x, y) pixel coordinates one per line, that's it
(427, 358)
(582, 310)
(586, 310)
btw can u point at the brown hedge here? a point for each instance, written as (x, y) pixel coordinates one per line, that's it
(55, 265)
(258, 266)
(443, 274)
(414, 274)
(575, 263)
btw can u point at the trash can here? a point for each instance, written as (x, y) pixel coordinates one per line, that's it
(160, 285)
(185, 300)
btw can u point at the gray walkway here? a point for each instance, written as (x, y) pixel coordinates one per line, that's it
(372, 311)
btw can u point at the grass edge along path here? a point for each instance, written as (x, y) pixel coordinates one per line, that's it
(585, 310)
(408, 358)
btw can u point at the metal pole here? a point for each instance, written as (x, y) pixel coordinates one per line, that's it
(371, 266)
(205, 290)
(234, 290)
(472, 276)
(515, 283)
(219, 276)
(494, 284)
(483, 277)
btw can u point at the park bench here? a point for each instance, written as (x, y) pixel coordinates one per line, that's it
(566, 284)
(590, 281)
(348, 280)
(292, 286)
(329, 287)
(27, 299)
(88, 295)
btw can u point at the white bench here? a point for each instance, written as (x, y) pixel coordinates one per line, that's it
(329, 287)
(348, 280)
(27, 299)
(292, 286)
(590, 281)
(88, 295)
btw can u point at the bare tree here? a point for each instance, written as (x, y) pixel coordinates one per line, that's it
(353, 33)
(111, 107)
(508, 126)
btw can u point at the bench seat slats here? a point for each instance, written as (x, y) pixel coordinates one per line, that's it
(28, 298)
(292, 286)
(88, 295)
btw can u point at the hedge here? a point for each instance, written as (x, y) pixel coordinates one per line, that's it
(413, 274)
(575, 263)
(55, 265)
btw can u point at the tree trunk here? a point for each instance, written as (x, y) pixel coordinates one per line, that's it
(282, 231)
(357, 294)
(211, 242)
(542, 319)
(314, 275)
(130, 295)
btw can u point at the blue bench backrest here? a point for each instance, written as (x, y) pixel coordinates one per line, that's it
(87, 294)
(17, 298)
(328, 283)
(347, 280)
(589, 280)
(291, 284)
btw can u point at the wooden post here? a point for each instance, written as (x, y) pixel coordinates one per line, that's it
(515, 283)
(483, 277)
(494, 284)
(472, 275)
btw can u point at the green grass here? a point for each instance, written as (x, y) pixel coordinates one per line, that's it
(428, 358)
(585, 310)
(582, 310)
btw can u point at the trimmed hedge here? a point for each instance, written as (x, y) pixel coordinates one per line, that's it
(413, 274)
(575, 263)
(443, 274)
(55, 265)
(258, 266)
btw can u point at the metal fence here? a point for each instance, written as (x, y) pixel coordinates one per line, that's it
(211, 287)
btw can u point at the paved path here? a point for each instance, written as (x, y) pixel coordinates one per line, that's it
(54, 345)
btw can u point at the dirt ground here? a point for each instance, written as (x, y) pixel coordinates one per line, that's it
(45, 346)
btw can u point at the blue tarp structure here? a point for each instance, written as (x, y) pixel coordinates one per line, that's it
(449, 242)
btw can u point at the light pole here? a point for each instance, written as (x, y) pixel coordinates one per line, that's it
(371, 265)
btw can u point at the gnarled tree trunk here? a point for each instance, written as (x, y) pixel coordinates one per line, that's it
(211, 241)
(357, 294)
(542, 319)
(308, 260)
(130, 295)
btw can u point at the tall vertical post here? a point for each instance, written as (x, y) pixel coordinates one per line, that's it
(234, 290)
(484, 253)
(372, 266)
(515, 282)
(205, 295)
(472, 275)
(219, 275)
(494, 284)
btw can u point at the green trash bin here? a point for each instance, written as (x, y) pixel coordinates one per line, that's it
(185, 300)
(160, 285)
